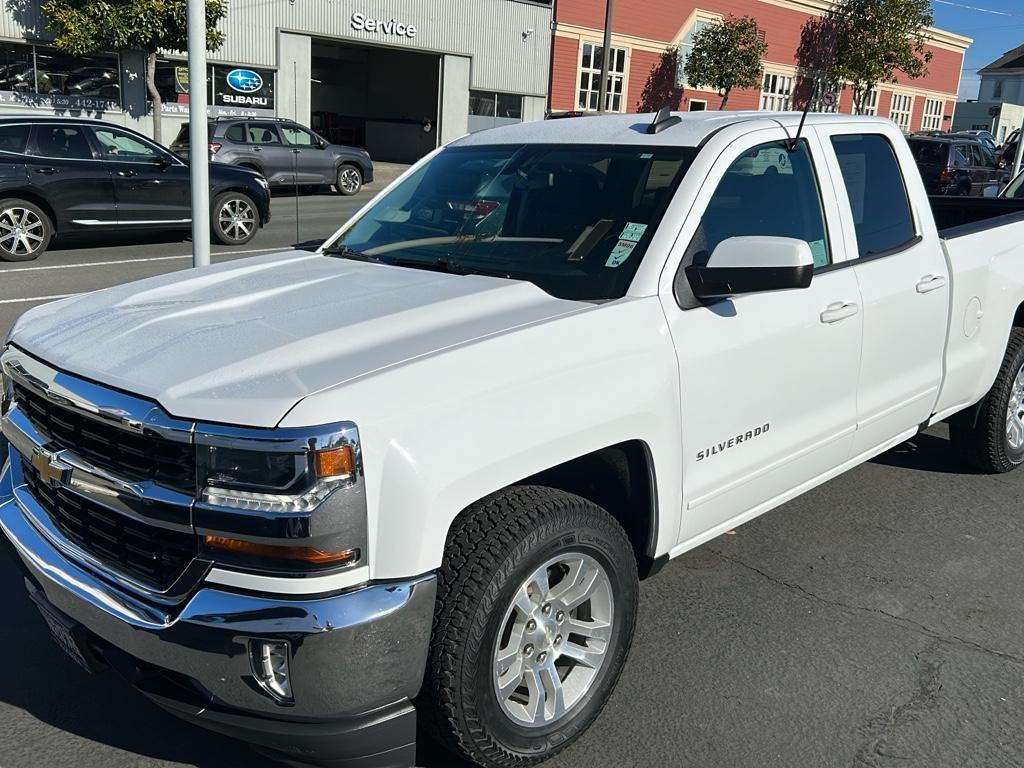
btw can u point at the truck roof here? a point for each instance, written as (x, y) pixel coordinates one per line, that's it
(692, 131)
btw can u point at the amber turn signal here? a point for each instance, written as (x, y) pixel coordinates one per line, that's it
(309, 555)
(335, 462)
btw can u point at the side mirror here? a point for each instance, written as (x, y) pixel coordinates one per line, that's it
(162, 161)
(753, 265)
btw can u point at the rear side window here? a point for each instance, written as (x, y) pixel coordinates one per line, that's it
(263, 133)
(929, 152)
(878, 195)
(13, 138)
(63, 141)
(769, 191)
(235, 133)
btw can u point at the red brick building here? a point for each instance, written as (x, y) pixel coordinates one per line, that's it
(650, 36)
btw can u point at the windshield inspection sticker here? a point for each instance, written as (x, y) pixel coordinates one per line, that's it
(620, 253)
(633, 232)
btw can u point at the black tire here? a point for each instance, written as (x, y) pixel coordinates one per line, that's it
(234, 219)
(25, 230)
(979, 434)
(349, 180)
(492, 549)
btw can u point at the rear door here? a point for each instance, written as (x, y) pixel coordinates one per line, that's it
(314, 163)
(151, 186)
(275, 158)
(65, 171)
(904, 283)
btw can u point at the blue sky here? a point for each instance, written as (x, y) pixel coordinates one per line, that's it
(997, 26)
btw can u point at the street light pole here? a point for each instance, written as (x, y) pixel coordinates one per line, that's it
(606, 53)
(199, 148)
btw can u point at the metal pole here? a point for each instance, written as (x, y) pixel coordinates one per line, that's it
(1020, 152)
(606, 53)
(199, 148)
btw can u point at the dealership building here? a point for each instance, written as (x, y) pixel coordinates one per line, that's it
(395, 76)
(400, 77)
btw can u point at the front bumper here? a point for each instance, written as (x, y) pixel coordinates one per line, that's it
(357, 657)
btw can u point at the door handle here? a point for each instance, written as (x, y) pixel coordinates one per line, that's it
(257, 149)
(46, 171)
(128, 173)
(839, 311)
(930, 283)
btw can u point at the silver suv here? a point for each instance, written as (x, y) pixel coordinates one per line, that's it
(286, 153)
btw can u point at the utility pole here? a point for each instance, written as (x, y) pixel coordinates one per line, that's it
(198, 145)
(606, 53)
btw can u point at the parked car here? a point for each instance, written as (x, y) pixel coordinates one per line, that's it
(286, 153)
(1007, 154)
(61, 175)
(955, 165)
(280, 497)
(984, 137)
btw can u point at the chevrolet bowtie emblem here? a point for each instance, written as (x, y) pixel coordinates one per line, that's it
(51, 469)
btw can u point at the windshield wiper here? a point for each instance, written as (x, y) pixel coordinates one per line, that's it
(344, 252)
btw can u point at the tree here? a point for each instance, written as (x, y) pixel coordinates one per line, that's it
(875, 39)
(83, 27)
(727, 55)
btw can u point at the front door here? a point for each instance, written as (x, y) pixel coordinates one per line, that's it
(151, 186)
(65, 171)
(275, 158)
(904, 282)
(315, 165)
(767, 380)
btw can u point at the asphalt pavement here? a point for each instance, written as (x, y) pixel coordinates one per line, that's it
(877, 621)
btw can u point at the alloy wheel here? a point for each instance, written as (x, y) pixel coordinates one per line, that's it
(1015, 414)
(236, 219)
(349, 180)
(21, 231)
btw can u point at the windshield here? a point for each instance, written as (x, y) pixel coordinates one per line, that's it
(575, 220)
(1015, 188)
(929, 152)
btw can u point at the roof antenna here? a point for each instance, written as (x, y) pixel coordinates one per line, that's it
(791, 144)
(664, 119)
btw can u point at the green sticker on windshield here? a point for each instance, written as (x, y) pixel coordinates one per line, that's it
(633, 232)
(620, 253)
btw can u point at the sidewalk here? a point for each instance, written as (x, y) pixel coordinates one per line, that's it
(385, 173)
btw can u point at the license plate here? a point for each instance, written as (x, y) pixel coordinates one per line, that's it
(67, 633)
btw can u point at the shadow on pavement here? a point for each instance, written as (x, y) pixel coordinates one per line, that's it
(86, 240)
(924, 453)
(101, 708)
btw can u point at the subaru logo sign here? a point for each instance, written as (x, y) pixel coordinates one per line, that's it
(244, 80)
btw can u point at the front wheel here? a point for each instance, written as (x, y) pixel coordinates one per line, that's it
(536, 608)
(25, 230)
(350, 180)
(990, 437)
(235, 219)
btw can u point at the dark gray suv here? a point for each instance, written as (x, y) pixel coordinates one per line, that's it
(284, 152)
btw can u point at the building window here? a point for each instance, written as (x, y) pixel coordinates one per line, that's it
(870, 104)
(901, 110)
(685, 49)
(698, 105)
(488, 109)
(997, 89)
(591, 59)
(932, 114)
(37, 70)
(777, 93)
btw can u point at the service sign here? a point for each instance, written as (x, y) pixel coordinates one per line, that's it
(243, 88)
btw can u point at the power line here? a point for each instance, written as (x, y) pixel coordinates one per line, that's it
(976, 8)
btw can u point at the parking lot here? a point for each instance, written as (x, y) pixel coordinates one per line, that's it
(876, 621)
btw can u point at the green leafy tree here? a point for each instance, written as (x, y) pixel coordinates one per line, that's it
(727, 55)
(82, 27)
(875, 39)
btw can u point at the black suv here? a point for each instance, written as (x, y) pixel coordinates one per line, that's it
(284, 152)
(955, 165)
(60, 175)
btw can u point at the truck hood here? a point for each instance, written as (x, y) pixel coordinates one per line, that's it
(242, 342)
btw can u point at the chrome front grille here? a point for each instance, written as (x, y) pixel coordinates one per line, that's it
(134, 456)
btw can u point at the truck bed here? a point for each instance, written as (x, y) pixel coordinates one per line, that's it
(959, 216)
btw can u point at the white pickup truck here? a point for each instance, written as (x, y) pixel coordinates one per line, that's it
(305, 498)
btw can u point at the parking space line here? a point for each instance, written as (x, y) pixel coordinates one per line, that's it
(133, 261)
(38, 298)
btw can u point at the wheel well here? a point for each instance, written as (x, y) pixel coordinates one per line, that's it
(35, 199)
(351, 164)
(620, 479)
(1018, 318)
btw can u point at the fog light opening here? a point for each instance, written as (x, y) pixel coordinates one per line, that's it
(270, 661)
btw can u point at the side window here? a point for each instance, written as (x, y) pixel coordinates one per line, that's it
(960, 158)
(988, 160)
(235, 133)
(62, 141)
(977, 158)
(769, 191)
(881, 217)
(118, 145)
(298, 137)
(13, 138)
(263, 133)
